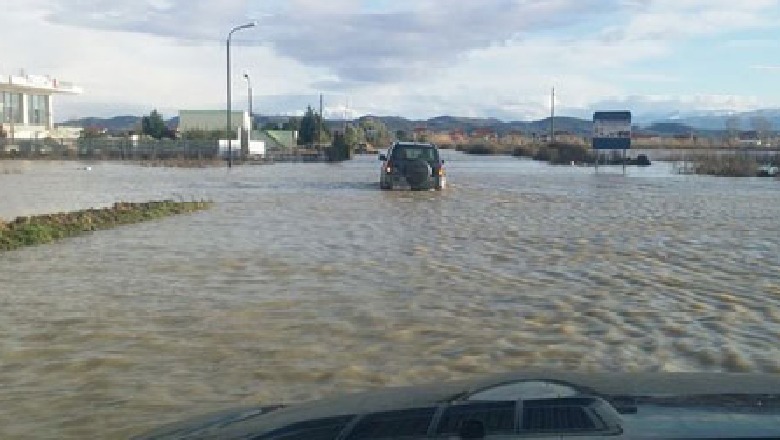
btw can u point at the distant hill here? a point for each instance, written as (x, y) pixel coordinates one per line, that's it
(116, 124)
(669, 125)
(717, 121)
(394, 123)
(669, 128)
(451, 123)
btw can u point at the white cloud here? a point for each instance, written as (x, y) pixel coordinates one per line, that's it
(671, 20)
(370, 47)
(416, 58)
(681, 103)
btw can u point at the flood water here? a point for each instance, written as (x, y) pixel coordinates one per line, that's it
(306, 279)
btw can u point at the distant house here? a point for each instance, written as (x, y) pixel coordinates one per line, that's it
(26, 110)
(486, 134)
(458, 136)
(516, 137)
(749, 138)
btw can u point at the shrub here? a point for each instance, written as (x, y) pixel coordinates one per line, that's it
(563, 154)
(525, 150)
(725, 165)
(482, 149)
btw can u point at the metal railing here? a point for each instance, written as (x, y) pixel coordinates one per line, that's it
(109, 149)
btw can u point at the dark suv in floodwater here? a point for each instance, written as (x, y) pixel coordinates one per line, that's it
(412, 165)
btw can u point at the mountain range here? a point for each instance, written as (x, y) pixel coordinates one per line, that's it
(666, 124)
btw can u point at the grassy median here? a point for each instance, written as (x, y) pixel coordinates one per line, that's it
(40, 229)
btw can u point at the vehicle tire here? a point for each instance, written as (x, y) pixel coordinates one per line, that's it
(418, 173)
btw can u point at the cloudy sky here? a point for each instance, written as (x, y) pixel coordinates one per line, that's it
(413, 58)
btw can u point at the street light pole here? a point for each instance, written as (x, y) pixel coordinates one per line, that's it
(229, 91)
(552, 116)
(249, 98)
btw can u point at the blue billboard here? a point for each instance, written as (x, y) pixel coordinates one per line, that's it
(612, 130)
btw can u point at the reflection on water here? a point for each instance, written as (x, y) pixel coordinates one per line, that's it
(305, 279)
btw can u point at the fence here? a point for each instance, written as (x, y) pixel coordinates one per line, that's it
(109, 149)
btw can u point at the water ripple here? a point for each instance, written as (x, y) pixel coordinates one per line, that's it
(305, 280)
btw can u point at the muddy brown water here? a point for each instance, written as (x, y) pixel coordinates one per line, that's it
(306, 279)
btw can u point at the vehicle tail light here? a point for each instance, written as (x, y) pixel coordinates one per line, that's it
(441, 172)
(389, 167)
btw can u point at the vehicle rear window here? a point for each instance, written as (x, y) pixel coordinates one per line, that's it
(413, 153)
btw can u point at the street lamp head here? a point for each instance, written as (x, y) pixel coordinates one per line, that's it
(251, 24)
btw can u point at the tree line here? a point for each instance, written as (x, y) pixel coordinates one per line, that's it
(311, 128)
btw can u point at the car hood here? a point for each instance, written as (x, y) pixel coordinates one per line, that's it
(629, 405)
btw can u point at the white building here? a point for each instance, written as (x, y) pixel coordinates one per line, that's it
(216, 120)
(212, 120)
(26, 104)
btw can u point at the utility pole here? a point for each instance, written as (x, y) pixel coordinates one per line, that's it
(346, 109)
(249, 98)
(319, 126)
(11, 119)
(552, 116)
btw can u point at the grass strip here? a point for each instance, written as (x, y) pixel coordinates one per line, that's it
(41, 229)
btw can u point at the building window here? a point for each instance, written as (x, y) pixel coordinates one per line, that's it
(12, 108)
(37, 106)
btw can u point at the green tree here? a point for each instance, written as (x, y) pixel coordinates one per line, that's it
(325, 135)
(352, 136)
(308, 127)
(292, 124)
(339, 150)
(376, 132)
(153, 125)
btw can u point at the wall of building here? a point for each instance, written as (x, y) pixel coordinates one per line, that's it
(210, 120)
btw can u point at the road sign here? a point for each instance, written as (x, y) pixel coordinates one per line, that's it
(612, 130)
